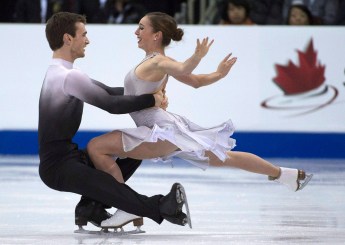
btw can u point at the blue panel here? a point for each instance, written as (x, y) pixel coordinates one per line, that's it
(264, 144)
(18, 142)
(289, 145)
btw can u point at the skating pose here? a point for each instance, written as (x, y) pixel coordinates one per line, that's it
(63, 166)
(163, 135)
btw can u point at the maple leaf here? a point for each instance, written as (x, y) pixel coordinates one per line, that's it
(309, 75)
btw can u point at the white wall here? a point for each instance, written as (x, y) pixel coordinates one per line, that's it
(25, 56)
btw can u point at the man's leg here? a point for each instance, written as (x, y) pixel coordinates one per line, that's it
(102, 187)
(88, 210)
(128, 166)
(71, 175)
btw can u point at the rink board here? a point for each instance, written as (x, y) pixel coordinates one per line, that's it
(265, 144)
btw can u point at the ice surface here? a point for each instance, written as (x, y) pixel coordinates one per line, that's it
(228, 206)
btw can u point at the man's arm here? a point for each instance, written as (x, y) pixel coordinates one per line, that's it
(80, 86)
(110, 90)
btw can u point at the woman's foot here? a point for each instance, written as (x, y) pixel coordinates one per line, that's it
(294, 179)
(122, 218)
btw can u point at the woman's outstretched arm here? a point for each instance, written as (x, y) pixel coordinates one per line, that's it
(174, 68)
(200, 80)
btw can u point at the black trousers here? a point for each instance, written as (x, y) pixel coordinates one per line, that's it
(64, 167)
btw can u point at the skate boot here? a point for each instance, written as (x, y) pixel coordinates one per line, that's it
(122, 218)
(294, 179)
(171, 206)
(91, 211)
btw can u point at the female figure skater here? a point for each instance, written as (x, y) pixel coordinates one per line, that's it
(163, 135)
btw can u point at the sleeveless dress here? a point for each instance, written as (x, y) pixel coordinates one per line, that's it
(155, 124)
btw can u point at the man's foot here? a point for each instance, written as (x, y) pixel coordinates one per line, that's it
(171, 206)
(91, 211)
(121, 218)
(294, 179)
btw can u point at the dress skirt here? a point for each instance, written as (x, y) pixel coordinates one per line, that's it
(191, 139)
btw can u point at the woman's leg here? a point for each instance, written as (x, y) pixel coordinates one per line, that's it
(246, 161)
(102, 150)
(294, 179)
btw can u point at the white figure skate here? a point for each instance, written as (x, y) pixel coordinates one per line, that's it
(120, 219)
(294, 179)
(116, 222)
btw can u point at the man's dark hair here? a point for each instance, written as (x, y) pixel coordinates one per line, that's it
(59, 24)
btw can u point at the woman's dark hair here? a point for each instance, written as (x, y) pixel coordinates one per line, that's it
(167, 25)
(59, 24)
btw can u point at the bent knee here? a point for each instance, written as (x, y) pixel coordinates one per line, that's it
(92, 147)
(108, 144)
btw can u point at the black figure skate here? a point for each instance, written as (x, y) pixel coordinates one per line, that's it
(171, 206)
(89, 211)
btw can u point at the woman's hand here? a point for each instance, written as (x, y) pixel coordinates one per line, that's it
(225, 65)
(202, 48)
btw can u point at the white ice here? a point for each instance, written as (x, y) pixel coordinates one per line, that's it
(228, 206)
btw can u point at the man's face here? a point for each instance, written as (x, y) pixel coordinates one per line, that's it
(79, 42)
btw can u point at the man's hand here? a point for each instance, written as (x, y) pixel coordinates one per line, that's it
(159, 98)
(165, 102)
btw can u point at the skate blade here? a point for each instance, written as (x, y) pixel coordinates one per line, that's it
(137, 222)
(106, 232)
(136, 231)
(81, 230)
(183, 196)
(120, 230)
(305, 182)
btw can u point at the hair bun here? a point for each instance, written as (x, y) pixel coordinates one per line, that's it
(178, 34)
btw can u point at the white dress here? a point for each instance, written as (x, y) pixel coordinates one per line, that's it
(155, 124)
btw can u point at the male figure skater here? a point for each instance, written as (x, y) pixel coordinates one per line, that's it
(63, 166)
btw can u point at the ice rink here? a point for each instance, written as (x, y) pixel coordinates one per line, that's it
(228, 206)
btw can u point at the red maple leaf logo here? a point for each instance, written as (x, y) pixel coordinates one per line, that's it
(310, 75)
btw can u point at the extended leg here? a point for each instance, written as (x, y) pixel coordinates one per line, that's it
(294, 179)
(246, 161)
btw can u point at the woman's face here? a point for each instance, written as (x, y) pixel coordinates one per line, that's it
(236, 14)
(144, 32)
(298, 17)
